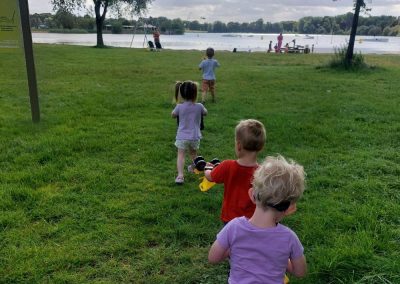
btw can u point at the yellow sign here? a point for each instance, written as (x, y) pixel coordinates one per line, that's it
(10, 27)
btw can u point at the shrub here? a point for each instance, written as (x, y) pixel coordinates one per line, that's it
(339, 60)
(116, 28)
(68, 31)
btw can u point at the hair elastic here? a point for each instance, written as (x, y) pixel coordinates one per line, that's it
(281, 206)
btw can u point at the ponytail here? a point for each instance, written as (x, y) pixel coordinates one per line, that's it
(188, 91)
(178, 85)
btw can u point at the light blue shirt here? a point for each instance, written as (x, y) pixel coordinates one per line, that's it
(208, 66)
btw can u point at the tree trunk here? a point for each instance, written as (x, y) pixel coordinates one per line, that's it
(100, 21)
(350, 48)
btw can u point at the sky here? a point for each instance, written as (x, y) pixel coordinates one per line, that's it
(248, 11)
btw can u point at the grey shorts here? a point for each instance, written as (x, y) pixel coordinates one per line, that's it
(187, 144)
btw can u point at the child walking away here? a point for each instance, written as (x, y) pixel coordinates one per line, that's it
(208, 66)
(260, 249)
(236, 175)
(188, 135)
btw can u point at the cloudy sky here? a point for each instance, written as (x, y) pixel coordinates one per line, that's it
(248, 11)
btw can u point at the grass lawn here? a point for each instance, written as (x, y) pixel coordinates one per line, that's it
(88, 194)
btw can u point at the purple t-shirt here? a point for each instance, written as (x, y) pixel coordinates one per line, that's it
(258, 255)
(189, 120)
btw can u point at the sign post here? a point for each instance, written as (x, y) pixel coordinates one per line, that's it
(14, 17)
(9, 25)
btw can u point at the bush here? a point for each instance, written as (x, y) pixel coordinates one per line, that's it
(339, 60)
(116, 28)
(68, 31)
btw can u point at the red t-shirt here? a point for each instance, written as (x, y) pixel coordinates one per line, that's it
(156, 36)
(237, 181)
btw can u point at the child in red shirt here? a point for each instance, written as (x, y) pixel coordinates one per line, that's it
(236, 175)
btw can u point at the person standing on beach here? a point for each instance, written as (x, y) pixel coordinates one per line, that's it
(280, 39)
(156, 37)
(270, 46)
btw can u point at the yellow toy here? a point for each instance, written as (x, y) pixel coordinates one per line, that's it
(205, 185)
(286, 280)
(200, 165)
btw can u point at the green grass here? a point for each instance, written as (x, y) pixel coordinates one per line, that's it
(88, 194)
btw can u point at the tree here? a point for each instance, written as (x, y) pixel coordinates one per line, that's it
(374, 31)
(64, 19)
(350, 48)
(100, 9)
(177, 26)
(219, 27)
(289, 26)
(85, 23)
(233, 27)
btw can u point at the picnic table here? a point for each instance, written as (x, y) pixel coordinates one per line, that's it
(298, 49)
(295, 49)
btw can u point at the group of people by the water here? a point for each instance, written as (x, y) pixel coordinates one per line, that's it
(278, 45)
(286, 49)
(256, 196)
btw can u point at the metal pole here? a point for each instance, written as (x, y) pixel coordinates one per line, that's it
(30, 64)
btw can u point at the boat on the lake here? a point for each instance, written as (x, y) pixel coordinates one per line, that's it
(378, 39)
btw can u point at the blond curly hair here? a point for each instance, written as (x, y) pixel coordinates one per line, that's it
(277, 183)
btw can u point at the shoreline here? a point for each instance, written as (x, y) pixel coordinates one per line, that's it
(243, 42)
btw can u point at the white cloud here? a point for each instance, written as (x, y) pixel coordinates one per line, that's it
(40, 6)
(248, 11)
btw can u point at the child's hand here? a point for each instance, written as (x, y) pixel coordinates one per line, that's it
(209, 166)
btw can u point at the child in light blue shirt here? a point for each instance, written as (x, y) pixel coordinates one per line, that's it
(208, 66)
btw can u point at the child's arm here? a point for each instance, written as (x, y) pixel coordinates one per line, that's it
(217, 253)
(216, 173)
(207, 174)
(298, 266)
(175, 112)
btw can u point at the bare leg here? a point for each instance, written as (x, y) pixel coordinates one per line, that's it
(213, 95)
(193, 153)
(180, 162)
(203, 96)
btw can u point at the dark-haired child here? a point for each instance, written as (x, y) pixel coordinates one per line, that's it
(188, 135)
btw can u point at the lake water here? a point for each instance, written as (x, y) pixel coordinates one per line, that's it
(220, 41)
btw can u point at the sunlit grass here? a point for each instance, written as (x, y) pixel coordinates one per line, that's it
(88, 195)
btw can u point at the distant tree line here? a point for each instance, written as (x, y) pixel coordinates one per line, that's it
(341, 24)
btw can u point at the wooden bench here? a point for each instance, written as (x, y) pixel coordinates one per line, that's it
(297, 49)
